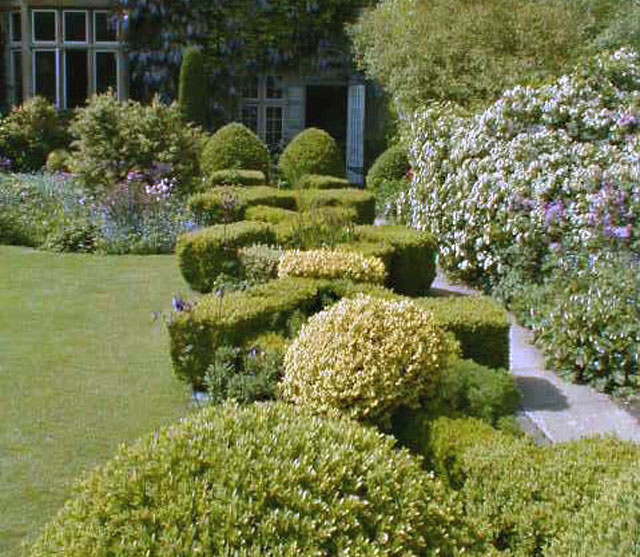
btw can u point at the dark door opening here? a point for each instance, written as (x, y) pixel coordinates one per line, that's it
(327, 110)
(77, 77)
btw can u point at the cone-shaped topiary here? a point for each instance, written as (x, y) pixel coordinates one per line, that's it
(267, 479)
(192, 93)
(367, 357)
(312, 151)
(235, 146)
(391, 165)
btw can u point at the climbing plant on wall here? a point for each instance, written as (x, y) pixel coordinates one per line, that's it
(236, 36)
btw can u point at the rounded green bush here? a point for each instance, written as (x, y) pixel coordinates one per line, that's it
(312, 151)
(367, 357)
(264, 479)
(390, 166)
(192, 92)
(235, 146)
(58, 160)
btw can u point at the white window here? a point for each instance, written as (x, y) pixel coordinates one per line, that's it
(104, 27)
(75, 24)
(45, 26)
(15, 28)
(263, 108)
(45, 74)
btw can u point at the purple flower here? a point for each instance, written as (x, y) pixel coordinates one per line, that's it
(5, 164)
(180, 305)
(554, 213)
(618, 232)
(629, 121)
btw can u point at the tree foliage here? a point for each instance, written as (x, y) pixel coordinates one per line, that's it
(423, 50)
(192, 95)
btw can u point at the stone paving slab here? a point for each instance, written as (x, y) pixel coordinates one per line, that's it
(560, 410)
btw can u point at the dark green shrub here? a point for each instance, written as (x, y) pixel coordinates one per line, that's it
(363, 202)
(192, 89)
(218, 205)
(320, 182)
(522, 497)
(265, 195)
(114, 138)
(480, 324)
(272, 215)
(366, 357)
(412, 267)
(390, 166)
(266, 479)
(234, 319)
(206, 253)
(29, 133)
(259, 262)
(235, 177)
(235, 146)
(608, 526)
(312, 151)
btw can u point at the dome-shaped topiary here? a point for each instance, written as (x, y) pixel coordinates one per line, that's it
(366, 357)
(235, 146)
(266, 479)
(391, 165)
(312, 151)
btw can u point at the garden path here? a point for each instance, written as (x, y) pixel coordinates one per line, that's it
(559, 410)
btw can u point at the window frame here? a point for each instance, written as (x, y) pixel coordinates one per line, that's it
(34, 53)
(94, 35)
(12, 28)
(64, 40)
(263, 103)
(94, 76)
(37, 42)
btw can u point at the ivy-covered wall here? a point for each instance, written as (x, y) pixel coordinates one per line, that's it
(238, 37)
(3, 70)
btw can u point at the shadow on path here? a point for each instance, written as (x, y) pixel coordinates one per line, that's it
(540, 394)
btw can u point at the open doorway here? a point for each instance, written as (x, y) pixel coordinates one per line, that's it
(327, 109)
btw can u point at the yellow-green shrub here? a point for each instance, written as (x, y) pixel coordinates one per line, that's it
(363, 202)
(322, 182)
(366, 357)
(265, 479)
(235, 177)
(331, 264)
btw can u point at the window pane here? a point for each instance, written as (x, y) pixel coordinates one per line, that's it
(75, 26)
(44, 26)
(274, 87)
(106, 72)
(76, 74)
(274, 126)
(250, 117)
(250, 88)
(16, 27)
(45, 74)
(16, 61)
(105, 31)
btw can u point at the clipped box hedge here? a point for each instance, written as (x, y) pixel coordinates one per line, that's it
(411, 264)
(205, 253)
(480, 324)
(362, 201)
(321, 182)
(234, 319)
(233, 177)
(231, 202)
(271, 215)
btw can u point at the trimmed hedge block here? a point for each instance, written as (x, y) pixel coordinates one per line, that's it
(234, 319)
(362, 201)
(412, 266)
(266, 195)
(236, 177)
(206, 253)
(480, 324)
(260, 262)
(322, 182)
(271, 215)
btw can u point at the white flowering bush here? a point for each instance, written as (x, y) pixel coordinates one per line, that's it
(541, 179)
(540, 167)
(366, 357)
(332, 264)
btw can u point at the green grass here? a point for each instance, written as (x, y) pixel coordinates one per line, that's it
(83, 367)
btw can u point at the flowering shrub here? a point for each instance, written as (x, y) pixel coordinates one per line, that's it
(367, 357)
(540, 166)
(543, 174)
(332, 264)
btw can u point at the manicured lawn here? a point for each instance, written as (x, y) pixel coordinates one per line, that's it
(83, 367)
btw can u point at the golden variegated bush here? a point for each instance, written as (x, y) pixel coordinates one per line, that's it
(332, 264)
(367, 357)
